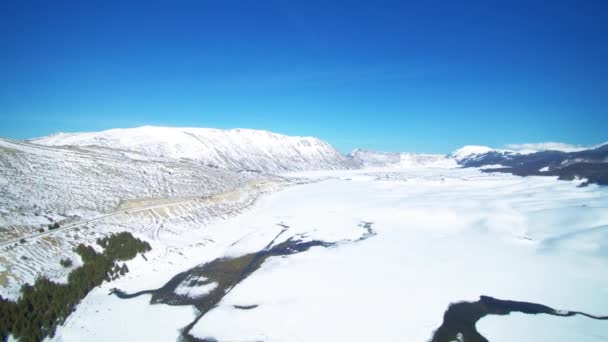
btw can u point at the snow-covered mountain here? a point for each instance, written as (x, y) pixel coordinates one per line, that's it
(402, 160)
(235, 149)
(470, 152)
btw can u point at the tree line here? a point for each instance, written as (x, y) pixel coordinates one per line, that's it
(46, 304)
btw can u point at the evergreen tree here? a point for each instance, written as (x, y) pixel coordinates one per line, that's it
(46, 304)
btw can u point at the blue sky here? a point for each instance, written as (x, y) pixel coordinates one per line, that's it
(425, 76)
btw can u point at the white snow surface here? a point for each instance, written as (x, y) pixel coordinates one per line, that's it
(443, 235)
(522, 327)
(185, 289)
(236, 149)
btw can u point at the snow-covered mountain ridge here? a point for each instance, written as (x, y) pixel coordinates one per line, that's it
(476, 151)
(234, 149)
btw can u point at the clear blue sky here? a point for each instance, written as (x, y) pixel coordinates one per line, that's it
(426, 76)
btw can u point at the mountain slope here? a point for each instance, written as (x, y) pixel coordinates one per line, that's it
(40, 183)
(470, 152)
(235, 149)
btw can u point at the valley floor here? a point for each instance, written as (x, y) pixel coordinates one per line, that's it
(441, 236)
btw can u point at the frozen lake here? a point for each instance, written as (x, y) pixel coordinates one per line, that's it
(440, 236)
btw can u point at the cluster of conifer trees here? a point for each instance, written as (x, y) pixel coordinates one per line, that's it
(122, 246)
(45, 304)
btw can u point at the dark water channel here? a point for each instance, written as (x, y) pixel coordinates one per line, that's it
(460, 318)
(226, 273)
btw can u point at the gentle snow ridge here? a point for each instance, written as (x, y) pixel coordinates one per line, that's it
(40, 182)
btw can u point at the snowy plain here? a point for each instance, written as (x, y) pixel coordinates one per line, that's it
(442, 236)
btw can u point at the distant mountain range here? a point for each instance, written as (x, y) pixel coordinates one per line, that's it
(83, 174)
(263, 151)
(590, 164)
(78, 173)
(373, 159)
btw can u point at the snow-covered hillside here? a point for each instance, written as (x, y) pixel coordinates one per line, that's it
(235, 149)
(94, 191)
(375, 159)
(42, 183)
